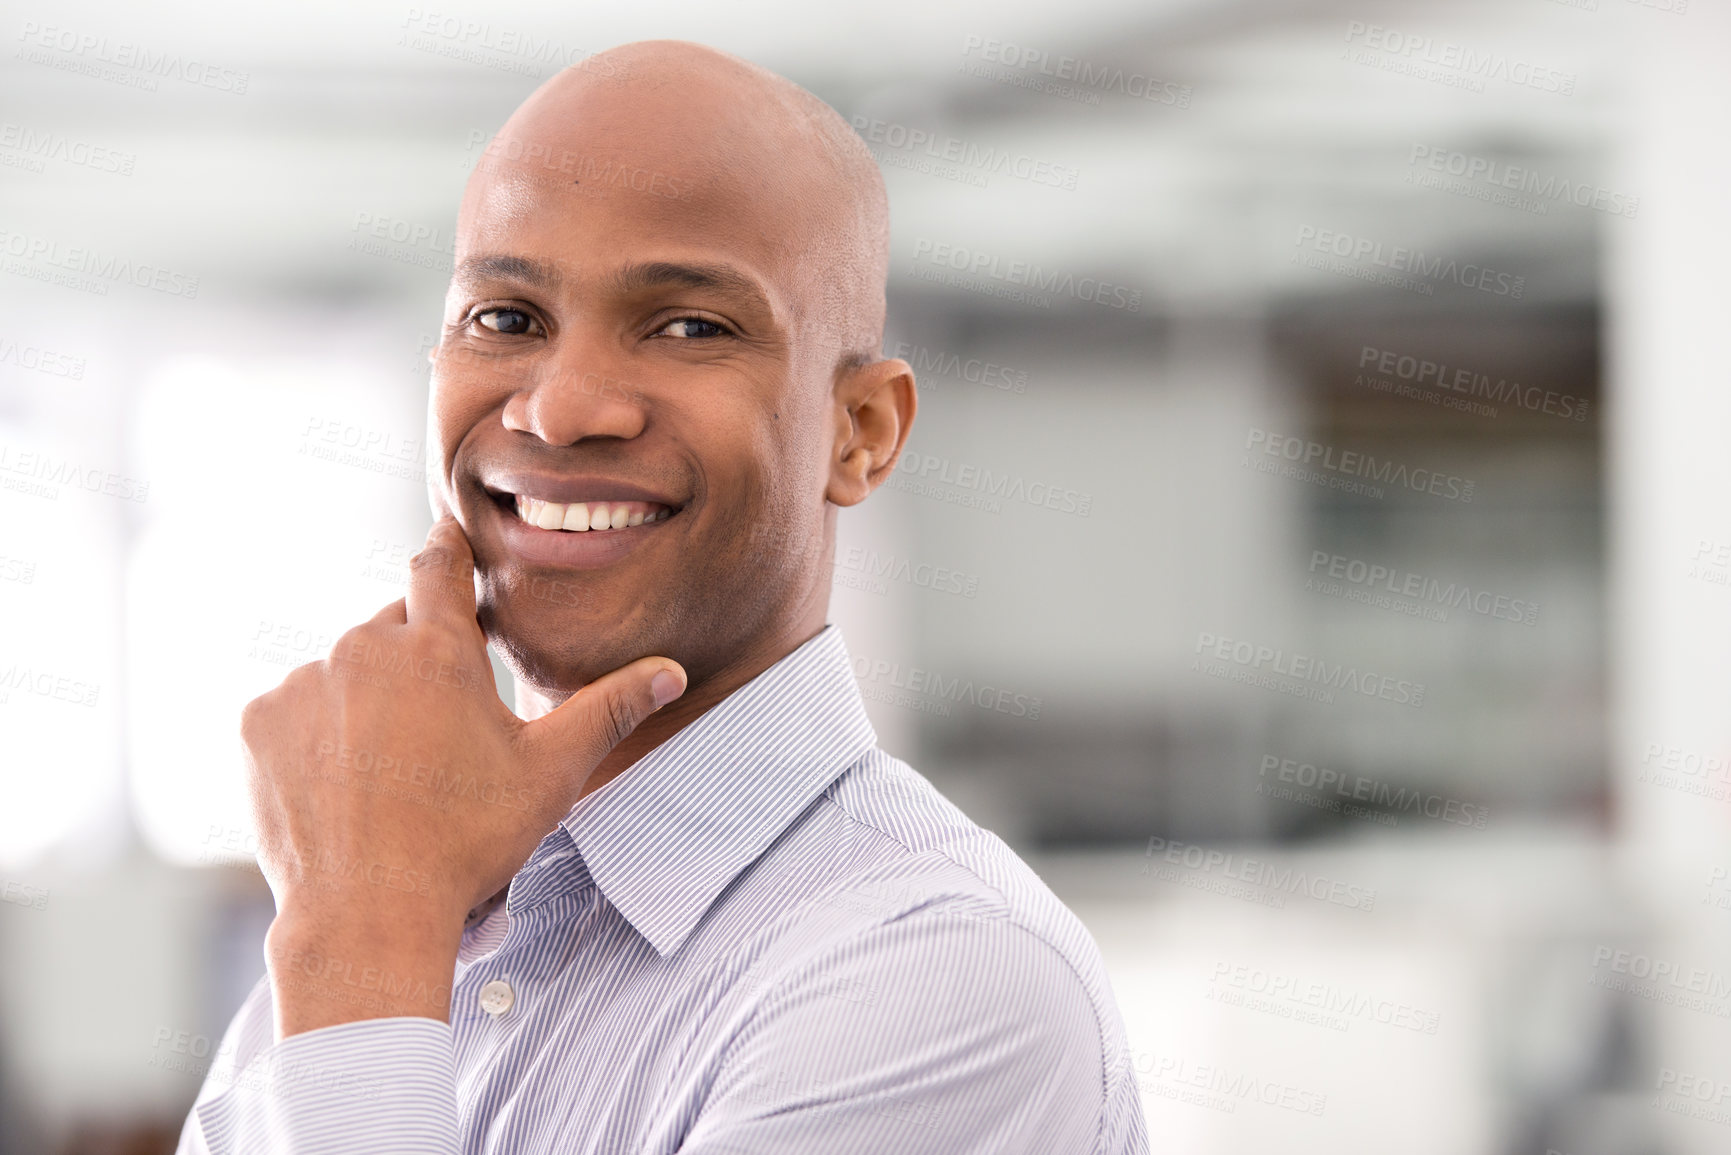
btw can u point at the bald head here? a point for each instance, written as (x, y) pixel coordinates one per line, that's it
(710, 133)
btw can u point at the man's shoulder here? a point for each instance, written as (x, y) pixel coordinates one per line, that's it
(884, 878)
(928, 860)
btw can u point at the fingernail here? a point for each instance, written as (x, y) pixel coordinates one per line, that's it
(666, 686)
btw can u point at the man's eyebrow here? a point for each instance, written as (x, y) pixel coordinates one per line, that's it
(501, 267)
(636, 278)
(632, 278)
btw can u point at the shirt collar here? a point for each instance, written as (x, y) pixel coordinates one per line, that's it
(663, 839)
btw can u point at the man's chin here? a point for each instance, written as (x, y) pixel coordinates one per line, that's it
(558, 653)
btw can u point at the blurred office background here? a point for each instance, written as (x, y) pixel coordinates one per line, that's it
(1464, 263)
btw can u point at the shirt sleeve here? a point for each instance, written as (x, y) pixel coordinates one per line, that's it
(935, 1033)
(374, 1086)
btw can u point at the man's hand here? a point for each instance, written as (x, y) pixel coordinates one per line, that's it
(393, 791)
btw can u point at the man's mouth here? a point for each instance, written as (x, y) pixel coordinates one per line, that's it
(587, 516)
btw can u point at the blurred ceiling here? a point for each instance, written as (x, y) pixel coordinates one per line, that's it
(1194, 205)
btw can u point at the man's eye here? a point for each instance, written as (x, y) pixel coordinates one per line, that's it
(506, 320)
(694, 328)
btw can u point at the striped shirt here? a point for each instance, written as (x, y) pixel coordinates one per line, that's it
(766, 936)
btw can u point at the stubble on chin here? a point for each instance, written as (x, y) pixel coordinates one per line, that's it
(553, 654)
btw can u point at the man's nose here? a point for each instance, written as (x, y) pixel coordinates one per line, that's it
(572, 401)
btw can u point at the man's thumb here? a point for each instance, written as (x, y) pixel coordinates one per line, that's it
(602, 714)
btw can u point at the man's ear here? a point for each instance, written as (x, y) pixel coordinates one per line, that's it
(874, 409)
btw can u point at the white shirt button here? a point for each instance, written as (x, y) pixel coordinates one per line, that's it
(497, 997)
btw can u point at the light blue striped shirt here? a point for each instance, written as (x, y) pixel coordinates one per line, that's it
(766, 936)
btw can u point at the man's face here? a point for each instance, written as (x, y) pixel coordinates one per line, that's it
(647, 353)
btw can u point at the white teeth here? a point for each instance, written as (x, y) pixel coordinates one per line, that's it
(582, 516)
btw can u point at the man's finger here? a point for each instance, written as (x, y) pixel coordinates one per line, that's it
(395, 614)
(587, 725)
(442, 575)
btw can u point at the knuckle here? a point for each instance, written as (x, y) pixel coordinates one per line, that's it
(621, 718)
(252, 716)
(354, 646)
(440, 643)
(301, 678)
(436, 560)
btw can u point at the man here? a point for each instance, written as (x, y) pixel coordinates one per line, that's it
(678, 902)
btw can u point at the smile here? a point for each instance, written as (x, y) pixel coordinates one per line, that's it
(587, 516)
